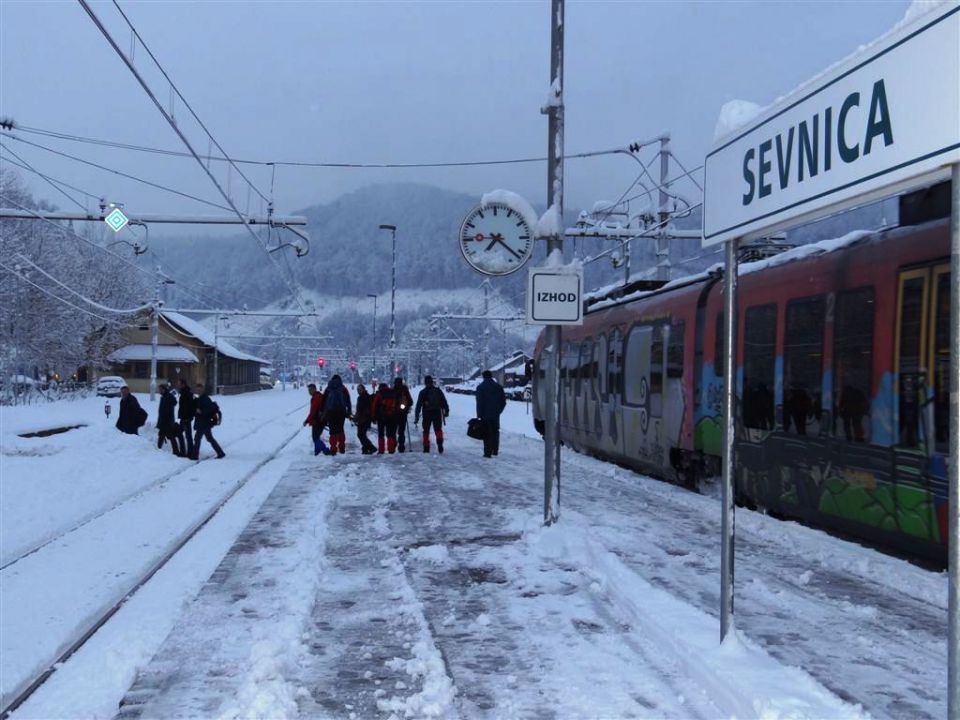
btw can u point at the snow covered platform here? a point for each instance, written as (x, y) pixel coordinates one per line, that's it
(420, 586)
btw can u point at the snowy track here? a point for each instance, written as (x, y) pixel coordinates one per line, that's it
(117, 502)
(87, 574)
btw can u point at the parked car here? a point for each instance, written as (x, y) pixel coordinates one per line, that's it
(109, 386)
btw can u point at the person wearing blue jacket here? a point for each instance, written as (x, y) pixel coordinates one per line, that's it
(491, 400)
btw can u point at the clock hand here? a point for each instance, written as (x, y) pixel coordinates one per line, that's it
(495, 239)
(509, 249)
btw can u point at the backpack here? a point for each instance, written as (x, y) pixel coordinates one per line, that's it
(432, 400)
(334, 400)
(388, 403)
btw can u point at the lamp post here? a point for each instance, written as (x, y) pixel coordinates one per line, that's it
(393, 294)
(371, 295)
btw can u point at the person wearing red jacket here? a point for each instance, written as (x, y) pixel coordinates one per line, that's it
(384, 411)
(314, 420)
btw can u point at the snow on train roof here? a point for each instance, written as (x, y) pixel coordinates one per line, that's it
(800, 252)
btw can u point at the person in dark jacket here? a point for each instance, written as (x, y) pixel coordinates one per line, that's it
(336, 409)
(383, 407)
(186, 412)
(207, 414)
(432, 404)
(491, 400)
(131, 415)
(167, 426)
(363, 416)
(404, 403)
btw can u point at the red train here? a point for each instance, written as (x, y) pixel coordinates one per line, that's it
(842, 380)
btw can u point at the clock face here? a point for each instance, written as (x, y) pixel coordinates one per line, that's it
(495, 239)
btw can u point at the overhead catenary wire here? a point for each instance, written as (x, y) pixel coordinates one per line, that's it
(317, 163)
(150, 183)
(97, 246)
(53, 183)
(94, 303)
(44, 290)
(179, 132)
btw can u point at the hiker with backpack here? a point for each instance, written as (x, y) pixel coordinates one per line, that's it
(363, 417)
(315, 421)
(336, 409)
(208, 416)
(404, 403)
(384, 410)
(432, 404)
(167, 426)
(131, 416)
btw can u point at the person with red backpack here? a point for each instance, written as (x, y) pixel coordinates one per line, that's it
(336, 409)
(432, 403)
(384, 410)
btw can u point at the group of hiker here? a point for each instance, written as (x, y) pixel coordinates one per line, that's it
(389, 408)
(184, 418)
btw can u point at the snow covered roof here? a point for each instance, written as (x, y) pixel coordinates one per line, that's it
(517, 358)
(165, 353)
(206, 336)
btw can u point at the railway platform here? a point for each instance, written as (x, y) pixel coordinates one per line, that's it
(424, 586)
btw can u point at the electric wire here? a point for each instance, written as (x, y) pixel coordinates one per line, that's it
(94, 303)
(54, 184)
(44, 290)
(183, 138)
(108, 251)
(307, 163)
(115, 172)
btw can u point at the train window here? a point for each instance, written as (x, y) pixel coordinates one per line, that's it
(912, 302)
(941, 362)
(759, 353)
(718, 347)
(803, 365)
(603, 368)
(581, 371)
(675, 351)
(615, 368)
(853, 365)
(656, 372)
(636, 389)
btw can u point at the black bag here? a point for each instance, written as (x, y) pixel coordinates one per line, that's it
(141, 417)
(477, 429)
(216, 417)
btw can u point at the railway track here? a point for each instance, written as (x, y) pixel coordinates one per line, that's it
(87, 519)
(23, 693)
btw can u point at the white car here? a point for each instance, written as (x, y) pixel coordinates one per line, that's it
(110, 385)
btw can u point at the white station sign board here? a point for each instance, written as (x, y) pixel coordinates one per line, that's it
(880, 122)
(555, 296)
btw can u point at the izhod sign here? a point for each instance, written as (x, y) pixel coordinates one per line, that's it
(555, 297)
(880, 122)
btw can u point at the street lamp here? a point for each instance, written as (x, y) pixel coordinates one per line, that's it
(371, 295)
(393, 293)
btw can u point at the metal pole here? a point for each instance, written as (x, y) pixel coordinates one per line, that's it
(551, 445)
(486, 326)
(155, 336)
(626, 262)
(953, 458)
(393, 304)
(216, 353)
(729, 437)
(663, 243)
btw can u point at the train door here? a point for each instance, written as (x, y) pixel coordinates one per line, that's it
(615, 397)
(920, 399)
(674, 403)
(643, 394)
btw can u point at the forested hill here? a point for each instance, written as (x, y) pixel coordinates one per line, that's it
(349, 255)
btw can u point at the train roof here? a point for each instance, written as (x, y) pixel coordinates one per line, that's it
(609, 297)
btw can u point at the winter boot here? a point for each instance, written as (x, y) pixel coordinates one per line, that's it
(440, 442)
(342, 443)
(426, 442)
(391, 446)
(380, 446)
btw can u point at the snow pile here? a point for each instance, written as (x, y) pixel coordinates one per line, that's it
(734, 115)
(433, 554)
(515, 202)
(740, 678)
(549, 223)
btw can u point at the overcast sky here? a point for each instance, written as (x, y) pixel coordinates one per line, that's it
(401, 82)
